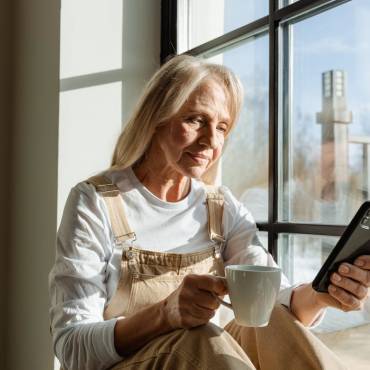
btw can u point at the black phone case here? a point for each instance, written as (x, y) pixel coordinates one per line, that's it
(354, 242)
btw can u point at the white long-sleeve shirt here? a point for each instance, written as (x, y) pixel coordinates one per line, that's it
(87, 266)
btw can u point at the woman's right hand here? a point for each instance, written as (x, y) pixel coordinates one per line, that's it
(193, 303)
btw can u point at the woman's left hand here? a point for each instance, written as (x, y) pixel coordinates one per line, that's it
(349, 286)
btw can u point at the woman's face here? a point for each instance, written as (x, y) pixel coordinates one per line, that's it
(193, 140)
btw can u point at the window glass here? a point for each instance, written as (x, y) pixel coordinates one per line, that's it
(301, 256)
(263, 238)
(245, 159)
(91, 37)
(203, 20)
(325, 153)
(283, 3)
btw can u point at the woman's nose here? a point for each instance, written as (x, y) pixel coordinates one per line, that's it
(209, 138)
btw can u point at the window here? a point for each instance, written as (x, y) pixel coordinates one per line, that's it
(323, 178)
(202, 21)
(299, 157)
(249, 142)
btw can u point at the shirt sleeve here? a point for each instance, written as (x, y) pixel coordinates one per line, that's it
(81, 337)
(243, 246)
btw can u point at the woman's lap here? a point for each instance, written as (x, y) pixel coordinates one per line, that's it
(204, 347)
(284, 344)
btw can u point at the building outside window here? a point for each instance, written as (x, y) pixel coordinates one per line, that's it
(299, 157)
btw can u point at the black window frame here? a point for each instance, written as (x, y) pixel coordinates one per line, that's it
(268, 24)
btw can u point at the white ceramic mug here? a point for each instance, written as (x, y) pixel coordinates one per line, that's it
(253, 291)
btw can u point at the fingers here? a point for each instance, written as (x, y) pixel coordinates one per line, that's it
(195, 307)
(206, 300)
(210, 283)
(193, 303)
(357, 289)
(347, 301)
(201, 313)
(349, 286)
(188, 315)
(201, 290)
(355, 273)
(363, 262)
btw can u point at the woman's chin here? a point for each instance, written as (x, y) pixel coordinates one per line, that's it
(195, 172)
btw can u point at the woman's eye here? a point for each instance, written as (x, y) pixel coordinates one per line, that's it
(222, 128)
(195, 120)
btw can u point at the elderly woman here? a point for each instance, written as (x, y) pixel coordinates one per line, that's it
(140, 247)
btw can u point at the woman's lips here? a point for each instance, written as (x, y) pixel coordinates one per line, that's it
(198, 158)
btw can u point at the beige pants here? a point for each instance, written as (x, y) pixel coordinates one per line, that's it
(283, 345)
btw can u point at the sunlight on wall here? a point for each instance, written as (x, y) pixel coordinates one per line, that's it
(91, 37)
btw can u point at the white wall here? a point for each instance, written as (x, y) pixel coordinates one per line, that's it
(91, 118)
(34, 157)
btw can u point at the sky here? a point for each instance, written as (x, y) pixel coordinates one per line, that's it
(335, 39)
(338, 38)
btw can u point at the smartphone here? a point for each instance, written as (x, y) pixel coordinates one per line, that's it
(354, 242)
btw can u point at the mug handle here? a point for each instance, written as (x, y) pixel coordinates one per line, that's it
(226, 304)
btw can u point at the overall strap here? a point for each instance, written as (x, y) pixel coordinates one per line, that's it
(215, 206)
(112, 198)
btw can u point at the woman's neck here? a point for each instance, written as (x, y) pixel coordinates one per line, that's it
(163, 181)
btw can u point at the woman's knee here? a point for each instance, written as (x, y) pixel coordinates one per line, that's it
(205, 332)
(212, 347)
(204, 347)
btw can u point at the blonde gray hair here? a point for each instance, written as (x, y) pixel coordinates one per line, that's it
(163, 97)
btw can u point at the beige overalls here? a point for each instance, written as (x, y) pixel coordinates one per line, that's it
(148, 277)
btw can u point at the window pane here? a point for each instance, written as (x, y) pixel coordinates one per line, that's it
(325, 152)
(89, 124)
(283, 3)
(203, 20)
(263, 237)
(346, 333)
(245, 160)
(301, 256)
(91, 36)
